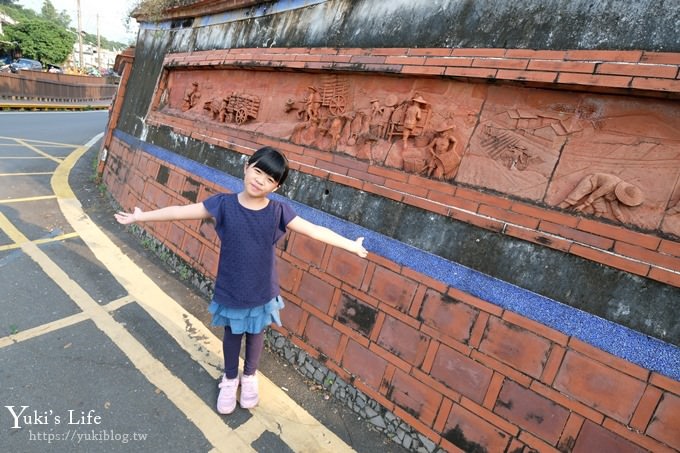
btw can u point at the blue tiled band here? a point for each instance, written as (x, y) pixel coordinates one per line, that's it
(618, 340)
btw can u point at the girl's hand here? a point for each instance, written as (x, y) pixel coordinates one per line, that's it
(127, 218)
(359, 248)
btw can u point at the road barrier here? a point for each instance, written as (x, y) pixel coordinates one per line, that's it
(56, 88)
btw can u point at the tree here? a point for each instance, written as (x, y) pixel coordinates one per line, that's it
(49, 13)
(16, 11)
(42, 40)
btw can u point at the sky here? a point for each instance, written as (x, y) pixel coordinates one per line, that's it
(112, 14)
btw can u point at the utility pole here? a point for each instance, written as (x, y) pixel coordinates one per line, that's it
(99, 47)
(80, 38)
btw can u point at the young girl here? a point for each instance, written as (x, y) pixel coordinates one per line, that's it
(247, 296)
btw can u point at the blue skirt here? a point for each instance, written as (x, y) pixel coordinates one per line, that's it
(248, 320)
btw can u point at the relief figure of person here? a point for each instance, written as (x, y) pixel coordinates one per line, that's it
(191, 96)
(443, 159)
(599, 190)
(411, 117)
(312, 104)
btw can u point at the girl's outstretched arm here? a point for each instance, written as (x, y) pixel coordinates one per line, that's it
(323, 234)
(185, 212)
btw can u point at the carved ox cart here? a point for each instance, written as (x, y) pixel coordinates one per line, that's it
(242, 108)
(234, 108)
(335, 94)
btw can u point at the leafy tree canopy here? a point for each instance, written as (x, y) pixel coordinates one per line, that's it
(49, 12)
(16, 12)
(42, 40)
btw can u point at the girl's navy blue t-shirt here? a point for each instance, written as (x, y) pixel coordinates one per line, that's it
(246, 272)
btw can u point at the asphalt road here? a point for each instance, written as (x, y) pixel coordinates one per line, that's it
(104, 348)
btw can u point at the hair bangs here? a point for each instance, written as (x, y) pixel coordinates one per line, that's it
(272, 162)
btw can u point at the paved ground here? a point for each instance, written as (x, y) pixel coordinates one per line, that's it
(102, 348)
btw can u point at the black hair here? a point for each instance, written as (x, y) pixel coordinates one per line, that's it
(272, 162)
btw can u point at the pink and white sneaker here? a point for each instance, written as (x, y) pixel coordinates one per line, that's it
(249, 391)
(226, 400)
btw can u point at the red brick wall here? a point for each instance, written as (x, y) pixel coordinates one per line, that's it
(456, 368)
(649, 74)
(642, 72)
(439, 358)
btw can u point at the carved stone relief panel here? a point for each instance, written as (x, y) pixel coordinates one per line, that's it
(608, 156)
(517, 144)
(417, 127)
(671, 220)
(421, 127)
(636, 144)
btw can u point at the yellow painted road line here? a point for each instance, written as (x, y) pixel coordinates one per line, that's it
(207, 420)
(43, 142)
(27, 199)
(61, 237)
(39, 241)
(276, 411)
(36, 173)
(118, 303)
(42, 329)
(21, 157)
(59, 324)
(36, 150)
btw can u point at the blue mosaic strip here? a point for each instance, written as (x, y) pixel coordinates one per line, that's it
(618, 340)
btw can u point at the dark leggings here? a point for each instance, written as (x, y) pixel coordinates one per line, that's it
(231, 347)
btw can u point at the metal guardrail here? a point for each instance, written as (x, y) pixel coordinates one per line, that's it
(55, 88)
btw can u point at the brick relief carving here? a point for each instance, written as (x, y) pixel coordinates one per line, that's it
(404, 131)
(191, 97)
(406, 124)
(603, 194)
(517, 144)
(671, 220)
(533, 144)
(630, 142)
(233, 108)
